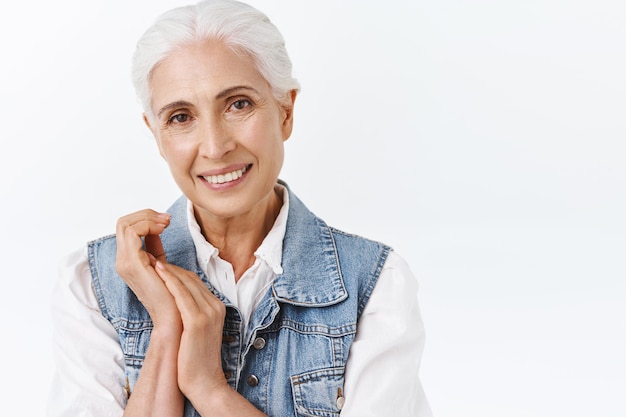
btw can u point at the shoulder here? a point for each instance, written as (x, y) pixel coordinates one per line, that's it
(73, 285)
(101, 245)
(362, 262)
(101, 255)
(397, 280)
(360, 241)
(356, 251)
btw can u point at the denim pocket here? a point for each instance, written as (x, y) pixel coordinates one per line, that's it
(318, 393)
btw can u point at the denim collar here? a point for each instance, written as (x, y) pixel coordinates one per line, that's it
(311, 275)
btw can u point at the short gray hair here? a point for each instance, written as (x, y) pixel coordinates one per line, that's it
(241, 27)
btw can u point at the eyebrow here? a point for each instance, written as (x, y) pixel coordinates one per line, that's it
(178, 103)
(219, 96)
(233, 90)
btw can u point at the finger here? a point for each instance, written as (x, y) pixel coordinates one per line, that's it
(154, 247)
(143, 222)
(131, 228)
(146, 214)
(176, 287)
(194, 284)
(192, 296)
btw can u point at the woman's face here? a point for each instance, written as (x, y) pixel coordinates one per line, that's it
(219, 128)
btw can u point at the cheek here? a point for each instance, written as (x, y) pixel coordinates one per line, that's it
(265, 136)
(177, 153)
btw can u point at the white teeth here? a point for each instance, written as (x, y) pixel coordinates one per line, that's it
(222, 178)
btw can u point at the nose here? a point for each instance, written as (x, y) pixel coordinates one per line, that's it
(216, 140)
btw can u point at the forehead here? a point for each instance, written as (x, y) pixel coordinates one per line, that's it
(201, 69)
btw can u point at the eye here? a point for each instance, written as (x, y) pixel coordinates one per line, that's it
(179, 118)
(240, 104)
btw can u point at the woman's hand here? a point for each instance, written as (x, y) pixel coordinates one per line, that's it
(185, 351)
(199, 357)
(136, 265)
(156, 392)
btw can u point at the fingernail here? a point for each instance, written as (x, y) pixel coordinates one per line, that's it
(160, 265)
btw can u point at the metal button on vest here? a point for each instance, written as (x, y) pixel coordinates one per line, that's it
(340, 402)
(252, 380)
(259, 343)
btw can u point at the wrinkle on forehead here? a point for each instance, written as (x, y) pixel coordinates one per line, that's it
(206, 69)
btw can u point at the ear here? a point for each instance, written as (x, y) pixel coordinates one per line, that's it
(146, 120)
(287, 125)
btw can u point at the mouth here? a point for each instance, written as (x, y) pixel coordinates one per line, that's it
(227, 177)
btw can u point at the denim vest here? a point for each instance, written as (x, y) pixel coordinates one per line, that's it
(291, 359)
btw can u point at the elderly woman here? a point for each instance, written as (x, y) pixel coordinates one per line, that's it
(238, 300)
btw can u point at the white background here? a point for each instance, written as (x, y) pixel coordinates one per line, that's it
(484, 140)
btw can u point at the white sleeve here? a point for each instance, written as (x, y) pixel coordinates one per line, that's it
(89, 376)
(383, 364)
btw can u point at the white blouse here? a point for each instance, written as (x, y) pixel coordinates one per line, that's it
(381, 373)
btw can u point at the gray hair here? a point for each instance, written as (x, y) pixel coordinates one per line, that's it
(241, 27)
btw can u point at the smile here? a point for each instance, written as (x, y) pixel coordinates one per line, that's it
(228, 177)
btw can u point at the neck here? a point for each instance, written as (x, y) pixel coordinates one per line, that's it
(237, 238)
